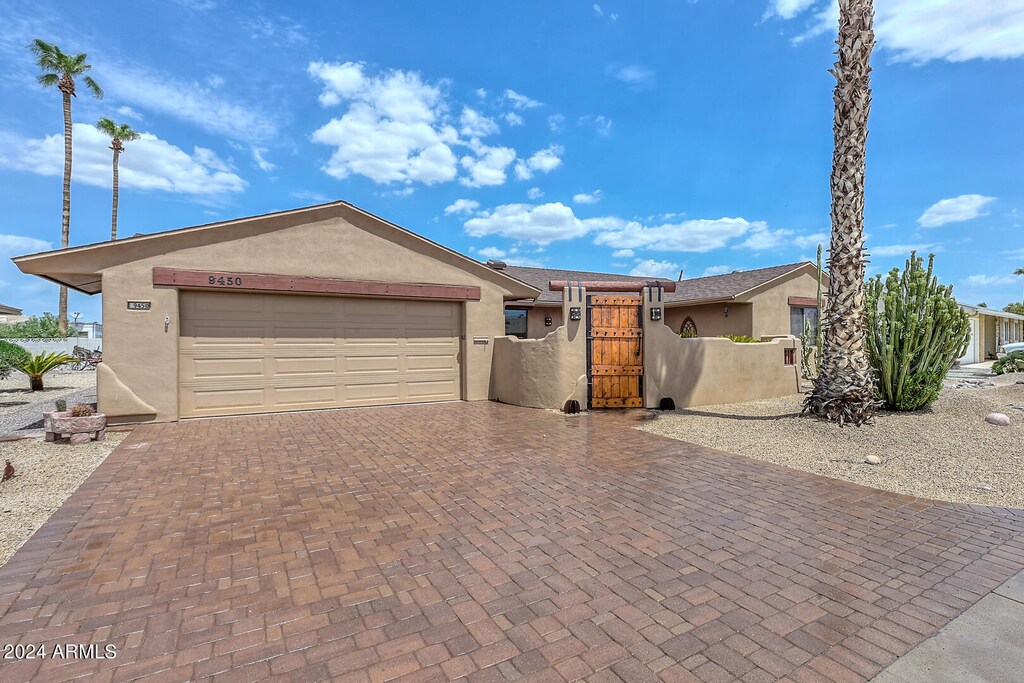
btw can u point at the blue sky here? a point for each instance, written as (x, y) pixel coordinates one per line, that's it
(630, 137)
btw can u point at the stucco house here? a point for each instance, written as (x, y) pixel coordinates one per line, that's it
(10, 315)
(329, 306)
(990, 329)
(757, 303)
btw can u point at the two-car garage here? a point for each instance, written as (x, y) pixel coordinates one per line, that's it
(326, 306)
(257, 353)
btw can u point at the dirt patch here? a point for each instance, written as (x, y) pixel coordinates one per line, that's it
(945, 452)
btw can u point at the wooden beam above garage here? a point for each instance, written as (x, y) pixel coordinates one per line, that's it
(260, 282)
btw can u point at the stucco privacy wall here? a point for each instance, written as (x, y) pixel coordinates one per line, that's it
(142, 353)
(707, 370)
(711, 320)
(544, 373)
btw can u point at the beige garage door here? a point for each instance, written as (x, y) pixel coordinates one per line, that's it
(254, 353)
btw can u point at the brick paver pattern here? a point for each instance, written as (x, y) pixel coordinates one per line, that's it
(483, 542)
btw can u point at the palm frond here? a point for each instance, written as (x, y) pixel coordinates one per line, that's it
(48, 80)
(107, 126)
(94, 87)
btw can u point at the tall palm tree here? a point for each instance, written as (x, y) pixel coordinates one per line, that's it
(119, 134)
(61, 69)
(844, 390)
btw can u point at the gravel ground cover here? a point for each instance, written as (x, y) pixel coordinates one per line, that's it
(945, 452)
(20, 407)
(45, 475)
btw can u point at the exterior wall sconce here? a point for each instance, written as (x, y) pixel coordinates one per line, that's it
(725, 310)
(575, 313)
(656, 314)
(547, 321)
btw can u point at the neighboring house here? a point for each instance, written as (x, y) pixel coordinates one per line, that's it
(757, 303)
(321, 307)
(989, 330)
(89, 330)
(10, 315)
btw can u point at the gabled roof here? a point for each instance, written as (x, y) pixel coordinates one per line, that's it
(80, 267)
(9, 310)
(985, 310)
(710, 289)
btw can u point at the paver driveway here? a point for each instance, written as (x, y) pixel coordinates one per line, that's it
(440, 541)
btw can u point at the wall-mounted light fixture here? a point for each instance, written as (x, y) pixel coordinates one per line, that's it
(725, 310)
(656, 313)
(547, 321)
(575, 313)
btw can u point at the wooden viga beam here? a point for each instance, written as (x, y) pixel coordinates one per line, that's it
(611, 285)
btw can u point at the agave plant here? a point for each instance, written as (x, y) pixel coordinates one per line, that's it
(40, 364)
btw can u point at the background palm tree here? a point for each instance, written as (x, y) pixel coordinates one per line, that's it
(844, 390)
(60, 69)
(119, 134)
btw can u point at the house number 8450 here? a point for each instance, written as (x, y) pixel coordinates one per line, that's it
(227, 281)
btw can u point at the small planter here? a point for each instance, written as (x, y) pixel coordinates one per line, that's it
(79, 429)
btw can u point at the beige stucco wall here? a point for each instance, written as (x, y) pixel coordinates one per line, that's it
(142, 355)
(711, 320)
(771, 302)
(708, 370)
(546, 372)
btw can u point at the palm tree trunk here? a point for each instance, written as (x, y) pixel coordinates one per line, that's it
(113, 211)
(845, 389)
(65, 224)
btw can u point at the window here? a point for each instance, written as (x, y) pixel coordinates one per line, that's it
(798, 317)
(689, 328)
(515, 322)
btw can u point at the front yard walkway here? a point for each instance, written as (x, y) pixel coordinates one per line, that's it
(486, 541)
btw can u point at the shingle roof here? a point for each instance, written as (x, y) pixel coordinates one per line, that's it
(710, 288)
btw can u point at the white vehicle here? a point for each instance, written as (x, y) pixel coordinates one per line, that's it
(1009, 348)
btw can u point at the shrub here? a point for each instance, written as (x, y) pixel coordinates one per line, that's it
(742, 339)
(12, 357)
(42, 363)
(1012, 362)
(61, 404)
(82, 410)
(915, 331)
(44, 326)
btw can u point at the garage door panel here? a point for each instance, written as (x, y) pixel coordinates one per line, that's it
(248, 353)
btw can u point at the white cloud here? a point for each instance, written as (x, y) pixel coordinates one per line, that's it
(812, 240)
(390, 131)
(541, 224)
(18, 245)
(520, 101)
(148, 163)
(488, 166)
(128, 112)
(556, 123)
(901, 249)
(481, 93)
(601, 124)
(513, 119)
(762, 239)
(462, 206)
(475, 125)
(991, 280)
(652, 268)
(698, 235)
(716, 270)
(543, 161)
(192, 102)
(524, 261)
(493, 252)
(954, 210)
(623, 253)
(279, 30)
(535, 193)
(261, 161)
(633, 75)
(588, 197)
(921, 31)
(309, 195)
(598, 11)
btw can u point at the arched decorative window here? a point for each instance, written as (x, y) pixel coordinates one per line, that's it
(689, 328)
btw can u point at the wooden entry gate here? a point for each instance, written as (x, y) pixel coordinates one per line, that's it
(615, 351)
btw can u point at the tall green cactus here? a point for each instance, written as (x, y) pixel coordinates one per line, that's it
(916, 330)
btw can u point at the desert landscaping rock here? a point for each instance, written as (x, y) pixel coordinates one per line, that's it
(45, 475)
(20, 408)
(873, 460)
(998, 419)
(938, 453)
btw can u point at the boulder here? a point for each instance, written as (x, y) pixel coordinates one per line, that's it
(998, 419)
(873, 460)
